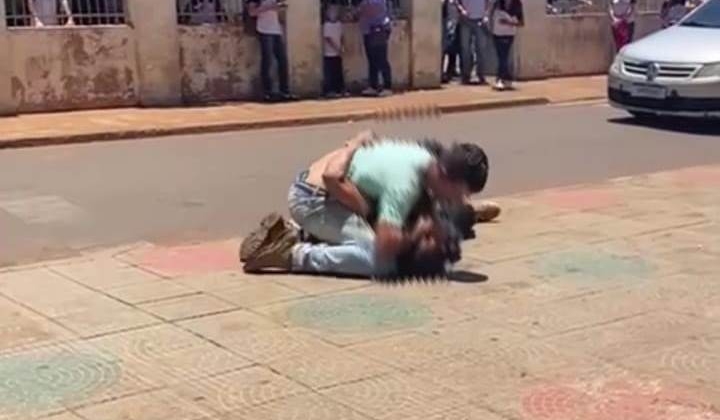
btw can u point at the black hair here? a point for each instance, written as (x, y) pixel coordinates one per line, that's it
(466, 162)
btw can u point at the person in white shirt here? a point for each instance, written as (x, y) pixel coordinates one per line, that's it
(622, 17)
(473, 31)
(332, 52)
(507, 17)
(272, 45)
(45, 12)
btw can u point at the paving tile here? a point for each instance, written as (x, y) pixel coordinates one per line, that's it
(217, 281)
(396, 396)
(351, 317)
(166, 354)
(468, 412)
(188, 307)
(604, 394)
(638, 335)
(314, 285)
(150, 291)
(52, 378)
(481, 343)
(327, 366)
(571, 314)
(239, 390)
(305, 406)
(59, 295)
(21, 328)
(105, 273)
(65, 416)
(255, 295)
(254, 337)
(409, 351)
(104, 316)
(695, 362)
(156, 405)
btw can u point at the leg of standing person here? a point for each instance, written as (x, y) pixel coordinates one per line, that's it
(340, 75)
(266, 54)
(479, 36)
(502, 47)
(280, 52)
(328, 75)
(631, 31)
(466, 58)
(384, 63)
(371, 56)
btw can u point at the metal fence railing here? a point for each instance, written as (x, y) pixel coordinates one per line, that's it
(199, 12)
(40, 13)
(572, 7)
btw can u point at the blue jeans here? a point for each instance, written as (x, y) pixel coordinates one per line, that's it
(348, 241)
(273, 46)
(472, 37)
(503, 47)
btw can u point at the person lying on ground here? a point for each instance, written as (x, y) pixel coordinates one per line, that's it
(330, 205)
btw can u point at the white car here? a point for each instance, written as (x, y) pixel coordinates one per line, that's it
(674, 72)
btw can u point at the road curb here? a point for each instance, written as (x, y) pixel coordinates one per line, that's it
(345, 117)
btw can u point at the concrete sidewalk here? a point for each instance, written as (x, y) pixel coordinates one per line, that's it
(596, 302)
(99, 125)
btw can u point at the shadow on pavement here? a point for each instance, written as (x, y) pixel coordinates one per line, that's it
(679, 125)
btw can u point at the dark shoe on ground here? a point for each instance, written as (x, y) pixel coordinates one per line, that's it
(370, 92)
(287, 97)
(270, 228)
(275, 254)
(486, 211)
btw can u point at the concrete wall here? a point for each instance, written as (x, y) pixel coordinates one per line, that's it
(570, 45)
(218, 63)
(356, 70)
(57, 69)
(583, 44)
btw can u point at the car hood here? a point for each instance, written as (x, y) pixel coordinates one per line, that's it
(678, 44)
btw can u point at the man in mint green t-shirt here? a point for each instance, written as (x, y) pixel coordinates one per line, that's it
(330, 202)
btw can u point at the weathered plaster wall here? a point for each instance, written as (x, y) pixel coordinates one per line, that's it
(59, 69)
(356, 65)
(218, 63)
(7, 104)
(426, 31)
(571, 45)
(304, 44)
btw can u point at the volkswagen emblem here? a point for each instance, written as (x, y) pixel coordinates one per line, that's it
(653, 71)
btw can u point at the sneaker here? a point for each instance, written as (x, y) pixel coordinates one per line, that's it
(384, 93)
(270, 228)
(486, 211)
(275, 254)
(499, 85)
(369, 92)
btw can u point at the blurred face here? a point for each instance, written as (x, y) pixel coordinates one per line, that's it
(332, 13)
(431, 238)
(444, 189)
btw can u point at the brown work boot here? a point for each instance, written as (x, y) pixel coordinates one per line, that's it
(275, 254)
(270, 228)
(486, 211)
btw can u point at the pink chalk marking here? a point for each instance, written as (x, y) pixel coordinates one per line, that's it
(698, 177)
(585, 199)
(190, 259)
(615, 400)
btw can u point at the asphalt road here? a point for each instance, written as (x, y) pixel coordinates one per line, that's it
(55, 201)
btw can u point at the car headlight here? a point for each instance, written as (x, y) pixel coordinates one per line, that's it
(709, 70)
(616, 66)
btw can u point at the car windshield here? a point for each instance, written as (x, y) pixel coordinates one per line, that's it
(708, 16)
